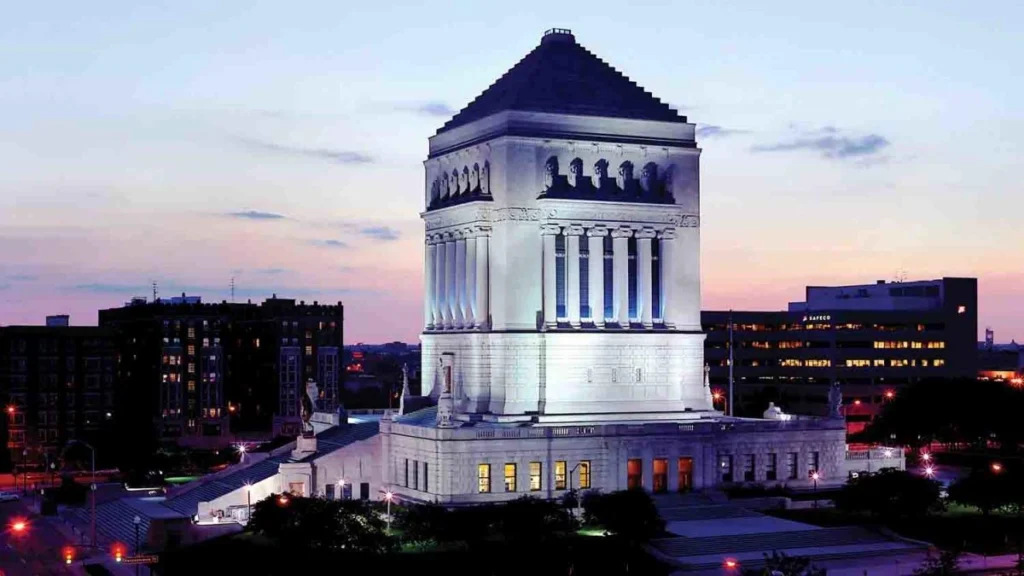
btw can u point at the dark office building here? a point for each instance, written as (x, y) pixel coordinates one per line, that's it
(872, 339)
(206, 372)
(57, 384)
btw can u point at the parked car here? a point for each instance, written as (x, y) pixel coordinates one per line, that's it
(9, 496)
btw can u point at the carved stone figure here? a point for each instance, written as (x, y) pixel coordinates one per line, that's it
(308, 404)
(474, 178)
(625, 174)
(435, 191)
(443, 180)
(453, 183)
(550, 172)
(773, 412)
(485, 179)
(405, 389)
(600, 171)
(446, 402)
(464, 181)
(835, 401)
(649, 177)
(575, 172)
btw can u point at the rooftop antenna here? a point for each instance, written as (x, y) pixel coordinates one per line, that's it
(232, 289)
(155, 292)
(901, 276)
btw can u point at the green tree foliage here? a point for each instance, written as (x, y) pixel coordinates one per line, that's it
(779, 564)
(629, 513)
(963, 412)
(890, 493)
(524, 519)
(319, 524)
(531, 519)
(986, 490)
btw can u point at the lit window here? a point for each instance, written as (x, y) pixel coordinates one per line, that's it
(961, 309)
(191, 385)
(510, 477)
(191, 332)
(535, 471)
(256, 342)
(191, 368)
(584, 474)
(309, 350)
(560, 475)
(191, 350)
(938, 362)
(206, 342)
(483, 478)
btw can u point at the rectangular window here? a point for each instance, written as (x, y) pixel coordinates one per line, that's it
(560, 475)
(560, 309)
(364, 490)
(584, 279)
(631, 265)
(656, 278)
(725, 467)
(426, 484)
(748, 468)
(791, 472)
(191, 385)
(329, 491)
(406, 481)
(510, 477)
(191, 332)
(191, 349)
(685, 471)
(660, 475)
(812, 463)
(585, 475)
(483, 478)
(634, 473)
(771, 468)
(415, 475)
(535, 471)
(609, 276)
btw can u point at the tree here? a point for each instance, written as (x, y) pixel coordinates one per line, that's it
(946, 563)
(630, 514)
(319, 524)
(984, 490)
(779, 564)
(533, 519)
(890, 493)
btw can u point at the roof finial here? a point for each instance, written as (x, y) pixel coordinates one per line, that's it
(558, 35)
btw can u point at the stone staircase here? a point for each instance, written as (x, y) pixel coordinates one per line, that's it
(738, 544)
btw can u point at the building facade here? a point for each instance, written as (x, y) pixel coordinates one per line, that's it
(872, 339)
(58, 383)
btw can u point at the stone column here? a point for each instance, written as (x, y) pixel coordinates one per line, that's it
(449, 279)
(440, 286)
(572, 274)
(549, 231)
(620, 271)
(668, 240)
(644, 277)
(460, 279)
(469, 314)
(481, 311)
(595, 240)
(428, 283)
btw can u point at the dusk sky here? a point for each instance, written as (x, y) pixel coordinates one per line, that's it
(282, 144)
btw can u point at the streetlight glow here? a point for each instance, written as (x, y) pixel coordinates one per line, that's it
(815, 476)
(926, 457)
(19, 526)
(731, 564)
(887, 452)
(283, 500)
(929, 471)
(10, 409)
(997, 467)
(890, 394)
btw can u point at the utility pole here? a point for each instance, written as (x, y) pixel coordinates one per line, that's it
(731, 358)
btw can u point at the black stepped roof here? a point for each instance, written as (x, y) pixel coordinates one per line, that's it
(562, 77)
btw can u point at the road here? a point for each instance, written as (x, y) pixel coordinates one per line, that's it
(37, 551)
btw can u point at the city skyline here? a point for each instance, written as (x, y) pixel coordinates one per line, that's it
(284, 148)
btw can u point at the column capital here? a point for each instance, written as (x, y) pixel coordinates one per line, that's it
(597, 232)
(448, 236)
(646, 233)
(459, 234)
(574, 230)
(550, 230)
(622, 232)
(482, 230)
(667, 234)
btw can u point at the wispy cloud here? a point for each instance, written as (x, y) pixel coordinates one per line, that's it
(4, 286)
(831, 143)
(256, 215)
(270, 271)
(328, 154)
(213, 293)
(383, 233)
(22, 277)
(713, 130)
(329, 243)
(429, 108)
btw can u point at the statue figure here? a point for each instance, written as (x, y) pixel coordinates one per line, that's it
(550, 172)
(625, 174)
(446, 402)
(474, 178)
(405, 389)
(435, 191)
(575, 172)
(485, 179)
(464, 181)
(600, 171)
(835, 401)
(443, 181)
(308, 404)
(453, 183)
(707, 387)
(649, 177)
(773, 412)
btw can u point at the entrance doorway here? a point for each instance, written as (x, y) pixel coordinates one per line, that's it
(685, 474)
(634, 473)
(660, 475)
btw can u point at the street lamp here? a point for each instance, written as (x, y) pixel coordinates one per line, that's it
(926, 457)
(19, 526)
(283, 500)
(997, 467)
(248, 502)
(929, 471)
(388, 497)
(24, 471)
(341, 489)
(815, 476)
(241, 449)
(136, 521)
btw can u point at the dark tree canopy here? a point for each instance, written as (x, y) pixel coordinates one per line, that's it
(890, 493)
(319, 524)
(628, 513)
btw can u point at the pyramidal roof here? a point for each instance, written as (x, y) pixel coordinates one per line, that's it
(562, 77)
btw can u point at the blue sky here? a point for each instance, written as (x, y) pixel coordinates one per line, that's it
(281, 144)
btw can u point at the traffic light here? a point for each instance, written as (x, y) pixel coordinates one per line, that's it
(69, 554)
(118, 552)
(19, 526)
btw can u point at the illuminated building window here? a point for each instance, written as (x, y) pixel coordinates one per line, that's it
(936, 345)
(916, 345)
(899, 362)
(938, 362)
(191, 350)
(634, 473)
(309, 350)
(858, 363)
(791, 362)
(924, 363)
(560, 475)
(483, 478)
(585, 474)
(510, 477)
(818, 363)
(191, 385)
(535, 476)
(256, 342)
(879, 362)
(791, 344)
(206, 342)
(191, 368)
(191, 332)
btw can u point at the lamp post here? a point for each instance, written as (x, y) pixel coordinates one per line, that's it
(573, 490)
(24, 471)
(248, 502)
(815, 476)
(136, 521)
(341, 489)
(388, 497)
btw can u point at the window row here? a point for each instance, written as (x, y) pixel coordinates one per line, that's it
(748, 464)
(413, 482)
(562, 476)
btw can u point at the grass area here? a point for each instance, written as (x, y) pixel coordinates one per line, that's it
(957, 528)
(180, 479)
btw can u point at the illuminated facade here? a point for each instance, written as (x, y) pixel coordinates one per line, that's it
(873, 339)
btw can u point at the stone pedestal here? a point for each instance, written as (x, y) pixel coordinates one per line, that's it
(304, 447)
